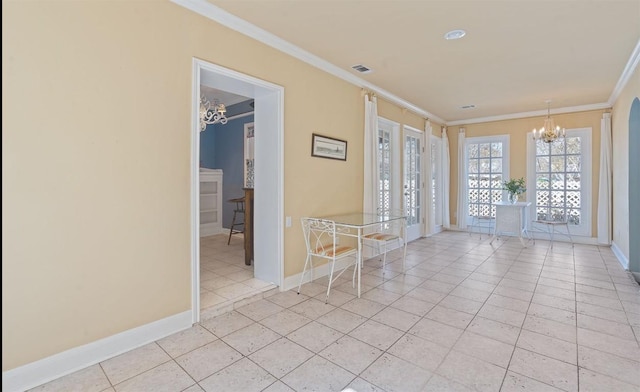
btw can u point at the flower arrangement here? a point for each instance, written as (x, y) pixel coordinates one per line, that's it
(515, 188)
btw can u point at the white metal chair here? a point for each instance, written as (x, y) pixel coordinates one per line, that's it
(478, 223)
(552, 229)
(551, 220)
(385, 237)
(322, 239)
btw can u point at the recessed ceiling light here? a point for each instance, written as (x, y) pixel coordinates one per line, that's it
(455, 34)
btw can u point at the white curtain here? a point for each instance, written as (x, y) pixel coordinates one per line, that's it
(462, 181)
(371, 168)
(446, 179)
(431, 219)
(605, 187)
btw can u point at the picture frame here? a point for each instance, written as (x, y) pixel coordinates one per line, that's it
(328, 147)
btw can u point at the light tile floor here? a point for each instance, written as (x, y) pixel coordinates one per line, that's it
(225, 280)
(466, 316)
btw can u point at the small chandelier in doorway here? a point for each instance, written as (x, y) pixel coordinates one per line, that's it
(549, 132)
(211, 113)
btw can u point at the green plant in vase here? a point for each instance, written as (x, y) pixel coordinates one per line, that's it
(515, 188)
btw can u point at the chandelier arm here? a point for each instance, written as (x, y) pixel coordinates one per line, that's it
(549, 132)
(211, 113)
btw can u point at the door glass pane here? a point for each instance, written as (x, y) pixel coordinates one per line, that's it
(496, 150)
(557, 164)
(573, 145)
(557, 147)
(485, 150)
(542, 164)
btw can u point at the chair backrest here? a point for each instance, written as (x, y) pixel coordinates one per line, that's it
(239, 203)
(550, 214)
(393, 226)
(319, 236)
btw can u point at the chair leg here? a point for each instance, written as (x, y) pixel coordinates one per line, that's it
(384, 257)
(233, 224)
(404, 255)
(333, 264)
(303, 271)
(569, 234)
(355, 271)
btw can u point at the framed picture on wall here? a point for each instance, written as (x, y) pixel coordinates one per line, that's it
(328, 147)
(249, 154)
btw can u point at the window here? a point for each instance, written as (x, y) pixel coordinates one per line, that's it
(487, 168)
(389, 167)
(560, 178)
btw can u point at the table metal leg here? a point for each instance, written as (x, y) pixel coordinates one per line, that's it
(524, 244)
(404, 254)
(359, 261)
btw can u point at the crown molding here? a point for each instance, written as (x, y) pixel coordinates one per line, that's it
(210, 11)
(631, 66)
(514, 116)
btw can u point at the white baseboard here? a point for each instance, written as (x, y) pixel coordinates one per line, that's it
(620, 256)
(44, 370)
(539, 235)
(577, 239)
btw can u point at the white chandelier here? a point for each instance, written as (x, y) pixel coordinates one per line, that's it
(549, 131)
(211, 113)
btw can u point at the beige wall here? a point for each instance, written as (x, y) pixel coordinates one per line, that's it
(517, 131)
(96, 162)
(620, 142)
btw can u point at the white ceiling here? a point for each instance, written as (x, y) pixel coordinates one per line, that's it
(515, 56)
(225, 97)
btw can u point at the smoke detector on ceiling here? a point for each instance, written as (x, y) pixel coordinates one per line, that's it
(361, 68)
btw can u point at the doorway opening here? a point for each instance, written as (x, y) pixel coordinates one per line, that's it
(268, 171)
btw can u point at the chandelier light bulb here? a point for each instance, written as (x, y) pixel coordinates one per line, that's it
(549, 132)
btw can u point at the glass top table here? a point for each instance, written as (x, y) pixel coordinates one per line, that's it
(359, 221)
(362, 219)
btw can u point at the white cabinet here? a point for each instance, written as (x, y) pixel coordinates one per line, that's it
(210, 201)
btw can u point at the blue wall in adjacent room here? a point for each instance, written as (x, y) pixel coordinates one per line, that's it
(222, 147)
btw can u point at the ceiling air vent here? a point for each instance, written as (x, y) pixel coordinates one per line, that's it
(468, 107)
(361, 68)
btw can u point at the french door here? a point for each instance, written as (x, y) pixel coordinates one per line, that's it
(413, 182)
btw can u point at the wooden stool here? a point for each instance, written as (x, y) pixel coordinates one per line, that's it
(237, 221)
